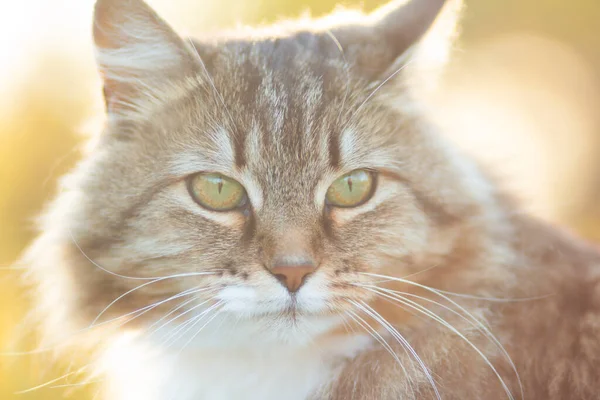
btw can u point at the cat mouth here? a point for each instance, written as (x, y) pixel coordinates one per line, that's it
(290, 311)
(293, 312)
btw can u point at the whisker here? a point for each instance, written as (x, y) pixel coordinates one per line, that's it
(188, 325)
(173, 310)
(147, 284)
(150, 307)
(94, 263)
(153, 306)
(469, 296)
(140, 312)
(496, 299)
(381, 85)
(401, 339)
(468, 314)
(347, 326)
(409, 275)
(75, 384)
(377, 336)
(435, 317)
(178, 316)
(421, 271)
(203, 326)
(48, 383)
(472, 321)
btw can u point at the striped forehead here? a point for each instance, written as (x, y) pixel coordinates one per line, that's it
(290, 137)
(287, 103)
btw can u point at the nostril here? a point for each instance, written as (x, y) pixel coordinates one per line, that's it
(284, 280)
(292, 277)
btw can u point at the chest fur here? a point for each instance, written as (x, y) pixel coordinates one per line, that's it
(292, 373)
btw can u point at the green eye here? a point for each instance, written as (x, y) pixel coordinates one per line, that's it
(352, 189)
(216, 192)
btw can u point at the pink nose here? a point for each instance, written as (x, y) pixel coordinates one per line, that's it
(293, 276)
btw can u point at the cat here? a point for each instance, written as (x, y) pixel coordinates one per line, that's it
(272, 213)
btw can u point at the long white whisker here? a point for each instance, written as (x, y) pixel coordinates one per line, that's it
(173, 310)
(46, 384)
(496, 299)
(178, 316)
(94, 263)
(185, 327)
(203, 326)
(139, 311)
(164, 301)
(349, 329)
(467, 313)
(468, 296)
(472, 321)
(375, 315)
(75, 384)
(377, 336)
(147, 284)
(435, 317)
(381, 85)
(100, 267)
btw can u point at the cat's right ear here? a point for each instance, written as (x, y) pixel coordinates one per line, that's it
(137, 53)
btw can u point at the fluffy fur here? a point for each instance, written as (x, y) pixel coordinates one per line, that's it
(437, 287)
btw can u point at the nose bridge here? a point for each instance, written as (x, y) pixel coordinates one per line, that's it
(290, 251)
(288, 244)
(293, 247)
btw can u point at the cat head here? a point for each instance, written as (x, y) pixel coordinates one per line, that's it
(261, 177)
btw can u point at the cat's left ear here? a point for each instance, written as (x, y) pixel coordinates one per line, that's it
(138, 54)
(400, 33)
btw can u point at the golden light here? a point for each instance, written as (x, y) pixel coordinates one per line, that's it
(526, 107)
(526, 104)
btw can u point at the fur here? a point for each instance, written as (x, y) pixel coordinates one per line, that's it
(436, 287)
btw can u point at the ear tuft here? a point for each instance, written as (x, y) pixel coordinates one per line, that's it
(136, 50)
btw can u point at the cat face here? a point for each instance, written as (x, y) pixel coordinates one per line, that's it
(257, 180)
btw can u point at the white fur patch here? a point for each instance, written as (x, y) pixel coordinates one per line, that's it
(137, 370)
(348, 144)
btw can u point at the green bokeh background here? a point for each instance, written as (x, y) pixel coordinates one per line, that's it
(57, 91)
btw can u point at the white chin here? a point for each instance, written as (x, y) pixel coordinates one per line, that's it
(230, 329)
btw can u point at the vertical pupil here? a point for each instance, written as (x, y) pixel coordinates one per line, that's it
(350, 183)
(220, 185)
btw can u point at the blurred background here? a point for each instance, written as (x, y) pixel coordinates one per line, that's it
(522, 94)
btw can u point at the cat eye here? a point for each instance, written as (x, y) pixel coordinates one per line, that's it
(216, 192)
(352, 189)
